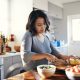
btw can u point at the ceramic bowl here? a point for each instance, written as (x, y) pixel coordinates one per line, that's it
(46, 70)
(73, 73)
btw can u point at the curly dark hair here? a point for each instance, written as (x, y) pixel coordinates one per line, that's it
(32, 18)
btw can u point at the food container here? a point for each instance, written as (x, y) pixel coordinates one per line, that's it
(46, 70)
(74, 61)
(17, 48)
(73, 73)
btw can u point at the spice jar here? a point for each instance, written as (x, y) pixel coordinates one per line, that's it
(2, 44)
(12, 38)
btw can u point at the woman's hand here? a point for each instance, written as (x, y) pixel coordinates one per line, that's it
(51, 58)
(65, 57)
(60, 62)
(54, 60)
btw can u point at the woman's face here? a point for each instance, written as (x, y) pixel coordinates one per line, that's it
(40, 25)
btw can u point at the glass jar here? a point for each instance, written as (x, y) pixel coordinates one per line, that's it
(12, 38)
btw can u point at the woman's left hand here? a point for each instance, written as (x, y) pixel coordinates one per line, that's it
(65, 57)
(60, 62)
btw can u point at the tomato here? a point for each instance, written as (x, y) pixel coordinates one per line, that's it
(75, 69)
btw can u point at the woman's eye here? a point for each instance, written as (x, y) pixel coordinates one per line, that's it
(41, 25)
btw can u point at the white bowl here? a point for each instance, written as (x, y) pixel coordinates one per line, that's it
(72, 75)
(46, 70)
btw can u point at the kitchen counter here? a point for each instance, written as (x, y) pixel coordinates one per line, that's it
(8, 60)
(10, 54)
(33, 75)
(7, 55)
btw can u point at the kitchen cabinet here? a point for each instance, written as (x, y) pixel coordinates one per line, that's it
(16, 59)
(8, 60)
(1, 69)
(55, 11)
(41, 4)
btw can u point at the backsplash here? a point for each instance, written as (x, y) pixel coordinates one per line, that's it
(74, 48)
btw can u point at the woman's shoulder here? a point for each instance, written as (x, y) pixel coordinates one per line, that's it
(27, 35)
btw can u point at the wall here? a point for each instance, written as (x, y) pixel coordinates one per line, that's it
(20, 10)
(4, 16)
(71, 9)
(55, 27)
(68, 9)
(58, 29)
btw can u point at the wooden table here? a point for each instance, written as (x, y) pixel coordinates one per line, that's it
(33, 75)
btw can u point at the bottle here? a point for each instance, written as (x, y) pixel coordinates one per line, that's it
(58, 43)
(1, 41)
(2, 44)
(12, 42)
(12, 37)
(4, 41)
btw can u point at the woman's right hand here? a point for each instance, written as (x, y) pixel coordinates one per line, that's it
(60, 62)
(51, 58)
(55, 60)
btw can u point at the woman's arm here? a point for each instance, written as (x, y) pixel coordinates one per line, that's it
(26, 45)
(55, 52)
(47, 56)
(58, 54)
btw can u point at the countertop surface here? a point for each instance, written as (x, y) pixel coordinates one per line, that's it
(33, 75)
(9, 54)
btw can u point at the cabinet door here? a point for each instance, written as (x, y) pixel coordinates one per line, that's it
(7, 63)
(41, 4)
(1, 72)
(16, 59)
(54, 10)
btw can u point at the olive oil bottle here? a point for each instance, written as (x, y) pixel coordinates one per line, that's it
(2, 44)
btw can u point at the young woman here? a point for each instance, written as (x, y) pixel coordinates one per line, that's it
(36, 48)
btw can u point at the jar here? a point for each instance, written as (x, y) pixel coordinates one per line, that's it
(2, 46)
(12, 37)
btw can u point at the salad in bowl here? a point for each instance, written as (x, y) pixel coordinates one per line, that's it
(46, 70)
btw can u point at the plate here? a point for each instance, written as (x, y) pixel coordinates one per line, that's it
(72, 75)
(29, 75)
(61, 67)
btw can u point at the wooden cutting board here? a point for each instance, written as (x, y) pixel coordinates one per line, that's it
(32, 75)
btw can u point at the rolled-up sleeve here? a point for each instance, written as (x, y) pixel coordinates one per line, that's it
(26, 53)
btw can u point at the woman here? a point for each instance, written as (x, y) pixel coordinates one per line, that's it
(36, 48)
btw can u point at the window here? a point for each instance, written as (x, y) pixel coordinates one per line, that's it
(76, 29)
